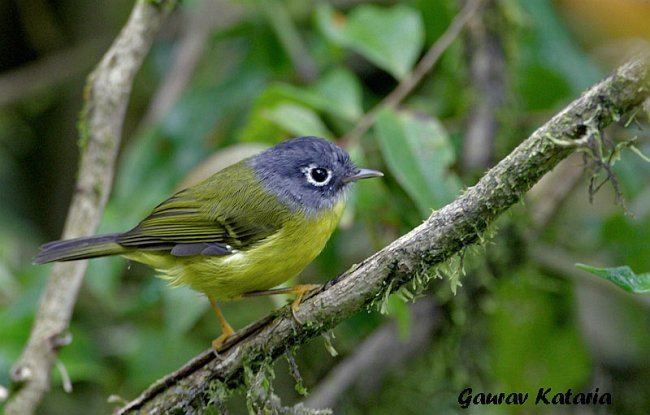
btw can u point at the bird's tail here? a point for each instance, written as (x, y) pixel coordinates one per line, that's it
(79, 248)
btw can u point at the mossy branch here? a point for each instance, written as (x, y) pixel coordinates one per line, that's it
(100, 125)
(445, 233)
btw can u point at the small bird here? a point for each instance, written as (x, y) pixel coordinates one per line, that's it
(242, 231)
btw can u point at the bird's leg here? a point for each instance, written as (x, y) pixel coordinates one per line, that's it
(298, 290)
(226, 329)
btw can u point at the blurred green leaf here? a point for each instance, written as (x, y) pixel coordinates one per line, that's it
(259, 128)
(103, 279)
(297, 120)
(14, 331)
(182, 307)
(418, 153)
(633, 171)
(82, 358)
(622, 276)
(9, 287)
(532, 342)
(436, 15)
(391, 38)
(158, 159)
(553, 47)
(627, 239)
(155, 354)
(337, 93)
(542, 87)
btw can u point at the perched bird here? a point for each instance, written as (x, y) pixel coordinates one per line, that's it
(241, 232)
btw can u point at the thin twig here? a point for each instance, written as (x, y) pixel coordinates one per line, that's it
(28, 80)
(65, 377)
(279, 18)
(444, 234)
(207, 17)
(549, 194)
(423, 67)
(106, 98)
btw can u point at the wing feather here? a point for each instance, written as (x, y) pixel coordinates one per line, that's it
(189, 224)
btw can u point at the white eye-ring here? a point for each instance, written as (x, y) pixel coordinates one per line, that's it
(317, 176)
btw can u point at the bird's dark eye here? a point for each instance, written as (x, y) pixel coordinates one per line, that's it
(319, 174)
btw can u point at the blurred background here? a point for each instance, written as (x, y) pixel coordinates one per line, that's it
(225, 79)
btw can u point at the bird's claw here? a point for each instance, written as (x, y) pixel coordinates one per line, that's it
(218, 343)
(300, 292)
(294, 309)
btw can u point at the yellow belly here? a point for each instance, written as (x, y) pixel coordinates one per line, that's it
(269, 263)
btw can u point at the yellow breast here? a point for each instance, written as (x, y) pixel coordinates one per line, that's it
(269, 263)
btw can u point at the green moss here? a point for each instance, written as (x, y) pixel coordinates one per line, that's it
(83, 129)
(299, 385)
(258, 380)
(388, 290)
(217, 395)
(82, 122)
(327, 338)
(375, 302)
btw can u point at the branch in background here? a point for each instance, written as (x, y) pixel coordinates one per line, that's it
(444, 234)
(550, 193)
(205, 18)
(48, 71)
(409, 83)
(278, 15)
(106, 98)
(488, 78)
(380, 352)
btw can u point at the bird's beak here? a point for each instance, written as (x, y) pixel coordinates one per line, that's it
(362, 174)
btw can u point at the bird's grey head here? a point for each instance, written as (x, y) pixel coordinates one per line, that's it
(307, 173)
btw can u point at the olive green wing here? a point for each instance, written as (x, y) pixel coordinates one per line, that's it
(187, 224)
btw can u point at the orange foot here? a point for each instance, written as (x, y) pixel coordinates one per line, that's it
(226, 329)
